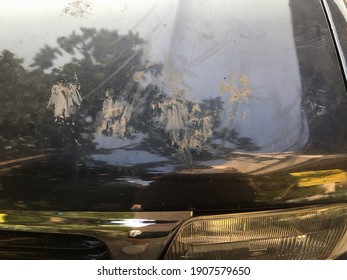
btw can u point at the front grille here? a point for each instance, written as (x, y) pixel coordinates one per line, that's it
(50, 246)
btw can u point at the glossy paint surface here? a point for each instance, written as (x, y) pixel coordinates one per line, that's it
(337, 13)
(170, 105)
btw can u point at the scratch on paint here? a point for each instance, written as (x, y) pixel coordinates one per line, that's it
(238, 87)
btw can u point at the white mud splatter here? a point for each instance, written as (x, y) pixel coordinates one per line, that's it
(187, 129)
(78, 8)
(65, 98)
(115, 116)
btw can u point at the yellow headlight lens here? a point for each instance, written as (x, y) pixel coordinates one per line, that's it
(304, 233)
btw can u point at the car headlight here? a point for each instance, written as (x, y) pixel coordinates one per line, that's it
(317, 232)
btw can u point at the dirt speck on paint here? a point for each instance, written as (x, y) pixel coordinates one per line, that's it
(237, 86)
(138, 76)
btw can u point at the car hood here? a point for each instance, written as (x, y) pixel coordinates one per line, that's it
(175, 105)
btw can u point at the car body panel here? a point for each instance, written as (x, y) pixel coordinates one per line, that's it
(337, 14)
(174, 106)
